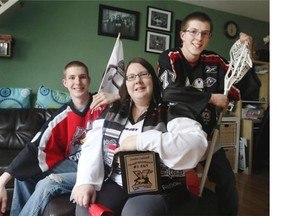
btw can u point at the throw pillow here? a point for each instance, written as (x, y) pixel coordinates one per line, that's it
(48, 98)
(15, 97)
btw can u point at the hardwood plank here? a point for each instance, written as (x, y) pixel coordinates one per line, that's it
(253, 194)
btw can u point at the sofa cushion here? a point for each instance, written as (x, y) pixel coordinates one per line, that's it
(6, 157)
(48, 98)
(15, 97)
(18, 126)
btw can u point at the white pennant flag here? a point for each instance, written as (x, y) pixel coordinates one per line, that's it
(114, 73)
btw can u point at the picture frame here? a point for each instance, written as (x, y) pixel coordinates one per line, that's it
(159, 19)
(177, 38)
(156, 42)
(5, 45)
(4, 49)
(114, 20)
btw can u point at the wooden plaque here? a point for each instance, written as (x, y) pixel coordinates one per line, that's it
(140, 172)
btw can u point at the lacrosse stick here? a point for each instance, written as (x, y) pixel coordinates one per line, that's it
(240, 63)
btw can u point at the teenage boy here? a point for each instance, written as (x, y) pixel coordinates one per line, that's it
(47, 166)
(193, 78)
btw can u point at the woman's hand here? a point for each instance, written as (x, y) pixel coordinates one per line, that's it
(84, 195)
(128, 144)
(103, 98)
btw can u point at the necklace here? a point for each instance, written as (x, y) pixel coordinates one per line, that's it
(138, 114)
(143, 111)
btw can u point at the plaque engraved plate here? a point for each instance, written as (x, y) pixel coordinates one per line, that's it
(140, 172)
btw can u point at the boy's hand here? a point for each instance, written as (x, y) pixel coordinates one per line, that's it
(103, 98)
(4, 179)
(219, 100)
(3, 200)
(244, 37)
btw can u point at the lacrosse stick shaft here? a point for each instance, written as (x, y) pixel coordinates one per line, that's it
(210, 153)
(237, 69)
(214, 138)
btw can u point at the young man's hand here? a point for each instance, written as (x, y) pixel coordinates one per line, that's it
(244, 37)
(3, 200)
(102, 98)
(219, 100)
(4, 179)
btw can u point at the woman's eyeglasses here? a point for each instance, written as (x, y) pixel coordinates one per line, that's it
(141, 75)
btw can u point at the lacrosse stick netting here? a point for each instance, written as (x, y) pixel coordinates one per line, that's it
(240, 63)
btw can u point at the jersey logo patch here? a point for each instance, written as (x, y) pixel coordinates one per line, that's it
(165, 76)
(76, 142)
(210, 81)
(211, 69)
(198, 84)
(109, 150)
(206, 116)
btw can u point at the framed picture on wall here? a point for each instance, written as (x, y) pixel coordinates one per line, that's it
(156, 42)
(177, 38)
(4, 49)
(114, 20)
(5, 45)
(159, 19)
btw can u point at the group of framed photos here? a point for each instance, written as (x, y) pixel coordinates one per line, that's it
(159, 20)
(113, 21)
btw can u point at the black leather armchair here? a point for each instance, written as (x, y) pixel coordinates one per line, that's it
(17, 128)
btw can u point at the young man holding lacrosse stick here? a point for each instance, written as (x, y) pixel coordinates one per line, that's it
(192, 79)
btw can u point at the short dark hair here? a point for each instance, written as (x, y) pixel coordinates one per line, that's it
(76, 63)
(196, 16)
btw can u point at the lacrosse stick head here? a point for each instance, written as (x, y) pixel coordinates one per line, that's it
(240, 63)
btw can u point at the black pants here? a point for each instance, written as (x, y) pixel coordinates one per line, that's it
(111, 196)
(221, 173)
(115, 198)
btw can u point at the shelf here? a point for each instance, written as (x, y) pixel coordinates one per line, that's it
(247, 125)
(260, 62)
(254, 102)
(253, 120)
(232, 151)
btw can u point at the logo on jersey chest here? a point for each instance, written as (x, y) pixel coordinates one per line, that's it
(109, 150)
(210, 69)
(206, 116)
(199, 83)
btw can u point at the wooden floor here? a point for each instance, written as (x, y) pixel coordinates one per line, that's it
(253, 191)
(253, 194)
